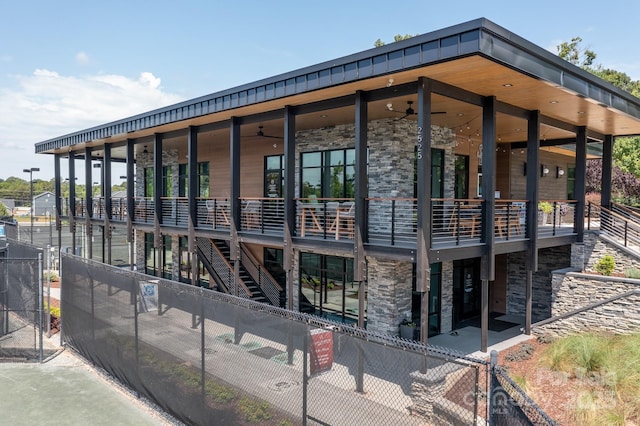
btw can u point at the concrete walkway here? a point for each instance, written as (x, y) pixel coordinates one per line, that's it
(66, 390)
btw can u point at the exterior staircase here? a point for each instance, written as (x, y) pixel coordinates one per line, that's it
(255, 282)
(620, 224)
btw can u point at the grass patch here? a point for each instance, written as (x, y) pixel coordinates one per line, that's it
(608, 367)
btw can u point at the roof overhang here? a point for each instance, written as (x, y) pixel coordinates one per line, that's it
(478, 57)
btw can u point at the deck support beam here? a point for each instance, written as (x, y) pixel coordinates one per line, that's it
(106, 192)
(88, 203)
(488, 260)
(360, 219)
(580, 184)
(289, 203)
(607, 166)
(531, 262)
(131, 200)
(234, 202)
(194, 192)
(423, 146)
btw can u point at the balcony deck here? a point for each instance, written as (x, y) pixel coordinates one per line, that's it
(391, 221)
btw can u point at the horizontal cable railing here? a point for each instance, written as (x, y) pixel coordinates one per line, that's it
(456, 221)
(628, 212)
(622, 228)
(510, 219)
(326, 218)
(144, 210)
(213, 213)
(392, 220)
(97, 204)
(64, 206)
(175, 211)
(556, 217)
(263, 215)
(119, 209)
(81, 207)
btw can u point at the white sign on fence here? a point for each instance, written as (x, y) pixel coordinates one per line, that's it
(148, 296)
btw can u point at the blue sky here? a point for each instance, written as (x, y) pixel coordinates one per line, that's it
(69, 65)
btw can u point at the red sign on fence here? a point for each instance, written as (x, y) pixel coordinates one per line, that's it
(321, 350)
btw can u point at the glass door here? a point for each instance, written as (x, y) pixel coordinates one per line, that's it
(466, 291)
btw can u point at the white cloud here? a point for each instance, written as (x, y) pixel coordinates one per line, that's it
(46, 105)
(82, 58)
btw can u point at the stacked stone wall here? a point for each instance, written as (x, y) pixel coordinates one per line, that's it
(549, 260)
(595, 302)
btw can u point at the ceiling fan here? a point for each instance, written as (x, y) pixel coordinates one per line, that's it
(409, 111)
(260, 133)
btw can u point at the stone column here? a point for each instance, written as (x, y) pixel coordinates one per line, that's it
(389, 295)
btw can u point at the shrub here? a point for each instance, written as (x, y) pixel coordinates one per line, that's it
(545, 207)
(521, 353)
(605, 265)
(633, 273)
(255, 411)
(546, 338)
(52, 276)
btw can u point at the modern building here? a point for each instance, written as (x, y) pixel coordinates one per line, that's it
(440, 179)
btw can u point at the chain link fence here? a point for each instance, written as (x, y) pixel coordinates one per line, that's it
(21, 307)
(510, 405)
(203, 355)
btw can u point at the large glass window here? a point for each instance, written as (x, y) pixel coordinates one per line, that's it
(437, 173)
(185, 259)
(434, 299)
(203, 179)
(274, 176)
(151, 255)
(148, 181)
(327, 288)
(273, 262)
(155, 259)
(167, 260)
(461, 186)
(328, 174)
(167, 178)
(571, 183)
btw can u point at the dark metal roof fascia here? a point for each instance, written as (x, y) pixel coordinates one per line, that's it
(436, 46)
(477, 36)
(515, 52)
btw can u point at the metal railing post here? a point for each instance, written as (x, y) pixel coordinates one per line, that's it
(40, 296)
(48, 291)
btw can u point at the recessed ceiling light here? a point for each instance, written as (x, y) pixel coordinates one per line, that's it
(553, 102)
(324, 116)
(580, 112)
(460, 114)
(508, 85)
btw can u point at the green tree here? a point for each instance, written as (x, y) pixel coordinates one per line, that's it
(576, 54)
(626, 151)
(397, 37)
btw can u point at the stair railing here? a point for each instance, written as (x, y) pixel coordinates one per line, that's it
(202, 255)
(269, 286)
(617, 226)
(223, 268)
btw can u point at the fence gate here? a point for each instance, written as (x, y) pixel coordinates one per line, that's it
(21, 310)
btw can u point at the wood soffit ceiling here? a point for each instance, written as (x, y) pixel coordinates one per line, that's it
(475, 74)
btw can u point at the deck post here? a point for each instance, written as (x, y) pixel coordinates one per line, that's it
(423, 146)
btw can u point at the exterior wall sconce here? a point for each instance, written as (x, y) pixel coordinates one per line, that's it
(559, 172)
(544, 170)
